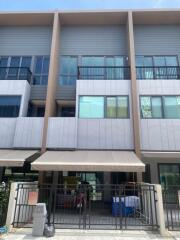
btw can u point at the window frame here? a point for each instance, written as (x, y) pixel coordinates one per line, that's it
(162, 106)
(105, 105)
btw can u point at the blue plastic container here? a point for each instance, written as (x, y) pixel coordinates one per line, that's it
(119, 209)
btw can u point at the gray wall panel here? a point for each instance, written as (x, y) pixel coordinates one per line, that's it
(66, 93)
(25, 40)
(93, 40)
(38, 92)
(157, 39)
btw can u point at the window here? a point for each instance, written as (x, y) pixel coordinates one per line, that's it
(91, 107)
(117, 107)
(68, 70)
(36, 111)
(151, 107)
(169, 174)
(171, 106)
(19, 66)
(41, 69)
(164, 67)
(103, 107)
(9, 106)
(160, 107)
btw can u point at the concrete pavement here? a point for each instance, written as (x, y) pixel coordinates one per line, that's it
(25, 234)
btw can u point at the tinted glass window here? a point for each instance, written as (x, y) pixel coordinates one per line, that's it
(111, 107)
(91, 107)
(41, 69)
(9, 106)
(122, 107)
(146, 107)
(68, 70)
(172, 107)
(156, 107)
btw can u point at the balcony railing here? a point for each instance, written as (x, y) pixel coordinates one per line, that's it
(15, 73)
(103, 73)
(160, 72)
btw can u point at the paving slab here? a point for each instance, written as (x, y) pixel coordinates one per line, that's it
(25, 234)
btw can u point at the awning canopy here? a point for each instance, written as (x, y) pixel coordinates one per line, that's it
(14, 158)
(106, 161)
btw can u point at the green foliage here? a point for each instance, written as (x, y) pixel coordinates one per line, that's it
(4, 199)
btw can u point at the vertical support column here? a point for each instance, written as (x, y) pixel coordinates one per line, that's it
(52, 78)
(134, 93)
(160, 211)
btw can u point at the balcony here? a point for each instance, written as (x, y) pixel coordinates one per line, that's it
(160, 72)
(103, 73)
(15, 73)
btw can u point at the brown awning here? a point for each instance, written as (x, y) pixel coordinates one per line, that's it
(107, 161)
(14, 158)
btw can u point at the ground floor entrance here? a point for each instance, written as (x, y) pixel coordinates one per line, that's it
(89, 206)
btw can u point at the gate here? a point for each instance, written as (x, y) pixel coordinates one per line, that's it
(171, 199)
(90, 206)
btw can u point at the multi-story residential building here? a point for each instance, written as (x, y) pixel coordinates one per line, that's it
(90, 94)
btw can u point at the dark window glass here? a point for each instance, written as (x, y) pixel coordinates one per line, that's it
(9, 106)
(3, 65)
(25, 67)
(14, 68)
(68, 112)
(41, 70)
(111, 107)
(68, 70)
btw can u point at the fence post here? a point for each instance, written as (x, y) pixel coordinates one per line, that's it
(11, 205)
(160, 211)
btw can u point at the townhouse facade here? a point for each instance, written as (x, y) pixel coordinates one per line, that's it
(90, 94)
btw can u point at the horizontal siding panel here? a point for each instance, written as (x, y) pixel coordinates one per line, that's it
(93, 40)
(38, 92)
(66, 93)
(25, 40)
(157, 39)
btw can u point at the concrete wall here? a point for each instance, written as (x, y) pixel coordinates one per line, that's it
(17, 87)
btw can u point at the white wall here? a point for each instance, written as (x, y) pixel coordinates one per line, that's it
(104, 133)
(17, 87)
(162, 87)
(28, 132)
(62, 132)
(7, 130)
(160, 134)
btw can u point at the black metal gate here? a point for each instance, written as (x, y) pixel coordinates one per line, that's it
(171, 198)
(90, 206)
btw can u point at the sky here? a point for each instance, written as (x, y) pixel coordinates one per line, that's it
(21, 5)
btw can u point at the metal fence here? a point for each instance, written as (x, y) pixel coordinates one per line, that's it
(4, 200)
(15, 73)
(171, 199)
(90, 206)
(152, 72)
(104, 73)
